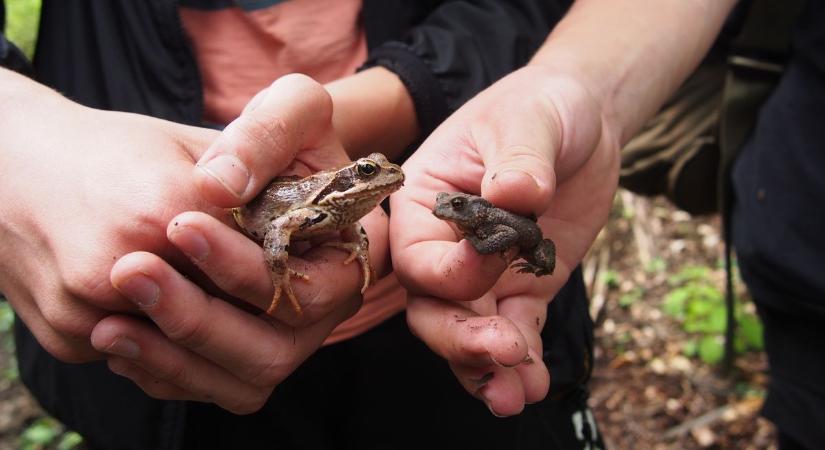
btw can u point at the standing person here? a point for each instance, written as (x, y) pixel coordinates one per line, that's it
(123, 177)
(546, 140)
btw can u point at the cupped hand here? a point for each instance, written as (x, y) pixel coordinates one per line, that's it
(199, 346)
(533, 143)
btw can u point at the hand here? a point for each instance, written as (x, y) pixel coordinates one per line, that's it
(200, 347)
(80, 188)
(535, 143)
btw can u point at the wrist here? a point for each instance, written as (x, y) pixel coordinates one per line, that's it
(373, 112)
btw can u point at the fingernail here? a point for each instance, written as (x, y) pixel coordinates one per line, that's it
(229, 171)
(125, 347)
(140, 289)
(515, 177)
(502, 364)
(191, 242)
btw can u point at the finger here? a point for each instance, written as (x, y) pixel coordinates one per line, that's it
(66, 348)
(236, 265)
(177, 369)
(295, 112)
(458, 335)
(453, 269)
(499, 388)
(255, 349)
(519, 159)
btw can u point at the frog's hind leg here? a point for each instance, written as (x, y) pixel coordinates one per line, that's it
(540, 260)
(356, 242)
(276, 247)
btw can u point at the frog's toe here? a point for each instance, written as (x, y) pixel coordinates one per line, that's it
(293, 300)
(276, 299)
(357, 251)
(282, 284)
(353, 249)
(300, 275)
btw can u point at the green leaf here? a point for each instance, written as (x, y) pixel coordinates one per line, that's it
(674, 304)
(611, 279)
(688, 274)
(6, 316)
(716, 320)
(698, 307)
(23, 20)
(41, 432)
(710, 349)
(750, 328)
(739, 344)
(656, 265)
(630, 297)
(690, 348)
(69, 440)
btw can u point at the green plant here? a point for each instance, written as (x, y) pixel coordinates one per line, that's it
(7, 338)
(22, 22)
(699, 306)
(47, 432)
(630, 297)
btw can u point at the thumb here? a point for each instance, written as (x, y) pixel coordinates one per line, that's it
(292, 114)
(520, 166)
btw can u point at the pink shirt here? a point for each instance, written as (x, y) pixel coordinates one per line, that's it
(242, 51)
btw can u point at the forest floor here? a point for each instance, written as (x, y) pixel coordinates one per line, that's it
(655, 281)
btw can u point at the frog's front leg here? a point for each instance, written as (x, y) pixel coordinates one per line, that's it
(354, 239)
(276, 254)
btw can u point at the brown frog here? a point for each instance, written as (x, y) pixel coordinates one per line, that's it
(295, 208)
(490, 230)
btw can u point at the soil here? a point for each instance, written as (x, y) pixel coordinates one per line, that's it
(645, 393)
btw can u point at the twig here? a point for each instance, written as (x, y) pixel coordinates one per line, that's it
(744, 408)
(644, 245)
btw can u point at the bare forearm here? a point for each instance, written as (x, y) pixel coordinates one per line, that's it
(373, 112)
(631, 54)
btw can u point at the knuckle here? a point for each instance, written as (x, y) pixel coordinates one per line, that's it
(85, 282)
(266, 131)
(65, 351)
(67, 321)
(190, 332)
(264, 373)
(175, 373)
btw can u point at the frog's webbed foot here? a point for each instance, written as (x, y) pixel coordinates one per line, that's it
(526, 267)
(283, 284)
(540, 260)
(358, 246)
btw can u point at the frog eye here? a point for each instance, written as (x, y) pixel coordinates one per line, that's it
(366, 168)
(458, 203)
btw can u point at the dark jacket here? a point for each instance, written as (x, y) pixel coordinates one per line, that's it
(133, 56)
(129, 55)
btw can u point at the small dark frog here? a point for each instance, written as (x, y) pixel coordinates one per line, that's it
(490, 230)
(295, 208)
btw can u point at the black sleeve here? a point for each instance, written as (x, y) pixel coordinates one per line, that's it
(461, 47)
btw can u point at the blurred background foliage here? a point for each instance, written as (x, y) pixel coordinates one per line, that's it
(22, 22)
